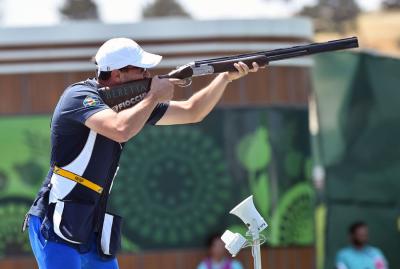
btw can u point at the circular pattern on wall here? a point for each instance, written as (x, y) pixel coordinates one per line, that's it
(173, 186)
(293, 220)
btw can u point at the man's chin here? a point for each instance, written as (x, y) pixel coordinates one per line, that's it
(359, 244)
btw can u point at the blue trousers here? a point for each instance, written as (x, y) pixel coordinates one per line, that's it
(53, 255)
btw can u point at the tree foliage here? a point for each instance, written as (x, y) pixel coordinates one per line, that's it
(79, 10)
(333, 15)
(164, 8)
(391, 4)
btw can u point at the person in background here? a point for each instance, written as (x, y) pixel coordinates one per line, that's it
(217, 256)
(360, 255)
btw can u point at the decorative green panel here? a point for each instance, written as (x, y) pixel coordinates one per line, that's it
(358, 101)
(177, 184)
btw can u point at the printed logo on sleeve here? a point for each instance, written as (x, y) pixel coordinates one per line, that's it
(91, 101)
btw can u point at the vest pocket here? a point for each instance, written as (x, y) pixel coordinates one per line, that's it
(110, 240)
(73, 220)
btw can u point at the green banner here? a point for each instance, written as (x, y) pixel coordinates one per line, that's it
(177, 184)
(358, 98)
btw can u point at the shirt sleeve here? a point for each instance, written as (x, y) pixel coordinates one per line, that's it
(157, 113)
(340, 261)
(381, 260)
(80, 102)
(236, 265)
(202, 265)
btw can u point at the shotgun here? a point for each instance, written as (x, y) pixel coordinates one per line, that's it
(126, 95)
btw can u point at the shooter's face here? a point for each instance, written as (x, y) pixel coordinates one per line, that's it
(360, 236)
(130, 73)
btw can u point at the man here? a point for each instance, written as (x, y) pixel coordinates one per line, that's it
(360, 255)
(68, 223)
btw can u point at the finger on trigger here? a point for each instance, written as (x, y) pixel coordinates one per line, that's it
(176, 81)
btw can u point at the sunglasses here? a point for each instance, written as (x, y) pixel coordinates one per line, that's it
(129, 67)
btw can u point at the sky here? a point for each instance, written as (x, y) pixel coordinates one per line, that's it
(45, 12)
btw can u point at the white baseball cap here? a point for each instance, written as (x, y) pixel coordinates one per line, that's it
(120, 52)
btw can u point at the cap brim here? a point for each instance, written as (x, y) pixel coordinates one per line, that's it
(148, 60)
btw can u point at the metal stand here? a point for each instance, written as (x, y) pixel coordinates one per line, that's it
(234, 242)
(255, 249)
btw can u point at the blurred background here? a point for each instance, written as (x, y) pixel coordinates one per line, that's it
(313, 139)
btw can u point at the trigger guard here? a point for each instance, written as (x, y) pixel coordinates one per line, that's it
(188, 82)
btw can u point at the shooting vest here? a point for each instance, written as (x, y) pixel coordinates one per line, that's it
(73, 199)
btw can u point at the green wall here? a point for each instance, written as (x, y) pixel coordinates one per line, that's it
(358, 98)
(177, 184)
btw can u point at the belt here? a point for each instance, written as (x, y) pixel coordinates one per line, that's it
(81, 180)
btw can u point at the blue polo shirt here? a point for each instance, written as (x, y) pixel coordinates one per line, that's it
(367, 257)
(78, 149)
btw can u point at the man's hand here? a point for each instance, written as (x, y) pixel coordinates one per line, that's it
(243, 70)
(180, 82)
(162, 89)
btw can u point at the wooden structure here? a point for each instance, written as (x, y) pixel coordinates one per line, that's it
(36, 64)
(274, 258)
